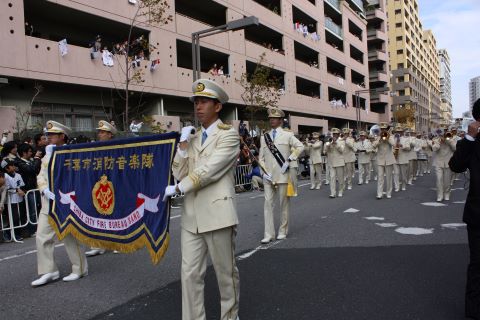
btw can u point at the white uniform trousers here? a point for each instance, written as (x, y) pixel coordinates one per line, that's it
(220, 245)
(422, 167)
(316, 174)
(443, 182)
(373, 168)
(384, 172)
(337, 174)
(363, 172)
(410, 171)
(257, 182)
(429, 164)
(271, 191)
(400, 176)
(453, 176)
(349, 172)
(45, 240)
(327, 173)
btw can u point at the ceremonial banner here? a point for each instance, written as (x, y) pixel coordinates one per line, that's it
(109, 194)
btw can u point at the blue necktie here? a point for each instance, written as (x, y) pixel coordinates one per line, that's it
(204, 136)
(274, 133)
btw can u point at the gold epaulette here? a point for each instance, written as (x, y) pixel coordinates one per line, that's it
(224, 126)
(287, 129)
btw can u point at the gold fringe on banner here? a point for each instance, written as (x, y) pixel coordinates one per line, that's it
(138, 243)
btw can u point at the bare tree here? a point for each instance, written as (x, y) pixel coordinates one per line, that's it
(261, 89)
(23, 117)
(147, 13)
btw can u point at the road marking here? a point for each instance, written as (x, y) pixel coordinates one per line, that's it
(459, 202)
(453, 226)
(304, 184)
(351, 210)
(25, 253)
(175, 217)
(433, 204)
(261, 247)
(374, 218)
(387, 225)
(414, 231)
(259, 196)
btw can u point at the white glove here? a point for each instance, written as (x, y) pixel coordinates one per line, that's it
(291, 158)
(169, 191)
(267, 177)
(186, 133)
(285, 167)
(49, 194)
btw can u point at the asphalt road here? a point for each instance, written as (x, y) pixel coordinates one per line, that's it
(360, 264)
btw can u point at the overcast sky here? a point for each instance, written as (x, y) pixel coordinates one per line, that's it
(456, 26)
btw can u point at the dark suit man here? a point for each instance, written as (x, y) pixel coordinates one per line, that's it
(467, 156)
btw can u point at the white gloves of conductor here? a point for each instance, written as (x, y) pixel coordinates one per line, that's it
(186, 133)
(169, 191)
(49, 194)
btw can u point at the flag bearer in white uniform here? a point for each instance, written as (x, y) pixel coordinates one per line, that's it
(47, 269)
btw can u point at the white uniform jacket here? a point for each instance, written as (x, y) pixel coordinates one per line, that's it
(363, 148)
(334, 153)
(442, 152)
(207, 179)
(284, 141)
(384, 151)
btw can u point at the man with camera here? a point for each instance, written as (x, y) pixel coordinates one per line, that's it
(467, 156)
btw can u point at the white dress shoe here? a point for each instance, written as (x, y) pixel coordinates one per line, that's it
(366, 182)
(379, 197)
(446, 197)
(312, 187)
(46, 278)
(266, 240)
(332, 196)
(439, 199)
(318, 186)
(74, 277)
(397, 189)
(404, 188)
(94, 252)
(389, 196)
(281, 236)
(349, 187)
(340, 194)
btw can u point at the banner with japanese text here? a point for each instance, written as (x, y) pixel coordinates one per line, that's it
(109, 194)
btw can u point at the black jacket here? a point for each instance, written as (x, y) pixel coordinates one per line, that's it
(467, 156)
(29, 171)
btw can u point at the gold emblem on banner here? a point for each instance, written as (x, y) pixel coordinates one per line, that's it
(103, 196)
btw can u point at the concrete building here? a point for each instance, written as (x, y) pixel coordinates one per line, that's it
(474, 90)
(445, 86)
(377, 41)
(414, 65)
(326, 61)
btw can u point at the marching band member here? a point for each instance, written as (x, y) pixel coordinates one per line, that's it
(401, 151)
(105, 132)
(349, 156)
(363, 147)
(57, 135)
(316, 161)
(325, 159)
(276, 154)
(385, 160)
(422, 156)
(455, 138)
(373, 160)
(334, 149)
(204, 165)
(412, 157)
(443, 149)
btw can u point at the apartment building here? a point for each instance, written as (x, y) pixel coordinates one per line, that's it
(414, 65)
(474, 91)
(445, 86)
(377, 41)
(321, 65)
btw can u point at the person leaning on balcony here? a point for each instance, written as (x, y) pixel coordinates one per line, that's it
(47, 269)
(204, 165)
(467, 156)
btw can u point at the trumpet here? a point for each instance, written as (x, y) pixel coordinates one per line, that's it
(385, 135)
(448, 136)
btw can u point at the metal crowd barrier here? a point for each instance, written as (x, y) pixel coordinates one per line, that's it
(240, 175)
(15, 219)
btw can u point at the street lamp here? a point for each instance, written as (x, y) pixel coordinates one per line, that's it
(229, 26)
(357, 102)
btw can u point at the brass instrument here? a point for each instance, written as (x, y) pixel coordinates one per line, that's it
(385, 135)
(448, 135)
(396, 150)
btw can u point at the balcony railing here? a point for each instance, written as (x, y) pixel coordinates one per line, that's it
(359, 4)
(334, 28)
(334, 3)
